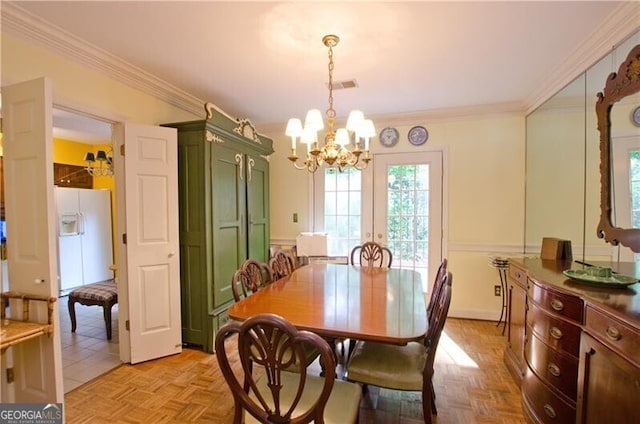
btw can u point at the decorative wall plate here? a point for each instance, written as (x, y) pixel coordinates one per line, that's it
(389, 136)
(635, 116)
(418, 135)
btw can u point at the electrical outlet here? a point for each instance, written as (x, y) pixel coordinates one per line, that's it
(497, 290)
(295, 217)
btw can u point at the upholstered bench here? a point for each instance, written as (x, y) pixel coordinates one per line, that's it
(104, 293)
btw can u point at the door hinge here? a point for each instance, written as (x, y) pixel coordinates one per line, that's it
(0, 125)
(126, 325)
(10, 375)
(122, 150)
(124, 238)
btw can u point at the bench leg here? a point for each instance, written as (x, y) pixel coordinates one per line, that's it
(72, 313)
(106, 310)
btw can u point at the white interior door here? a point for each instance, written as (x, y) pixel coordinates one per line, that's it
(408, 209)
(31, 231)
(151, 266)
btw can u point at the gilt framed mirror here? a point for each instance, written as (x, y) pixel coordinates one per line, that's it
(618, 86)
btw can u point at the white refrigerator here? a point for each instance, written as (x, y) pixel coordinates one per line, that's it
(85, 246)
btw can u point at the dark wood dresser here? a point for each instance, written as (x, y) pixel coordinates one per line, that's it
(573, 347)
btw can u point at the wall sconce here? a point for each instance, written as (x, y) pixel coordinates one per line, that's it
(100, 163)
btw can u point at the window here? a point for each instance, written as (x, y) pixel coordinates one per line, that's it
(342, 210)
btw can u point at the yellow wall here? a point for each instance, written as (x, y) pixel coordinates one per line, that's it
(485, 165)
(485, 190)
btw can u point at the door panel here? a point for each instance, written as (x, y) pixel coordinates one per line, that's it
(258, 207)
(229, 233)
(152, 255)
(31, 229)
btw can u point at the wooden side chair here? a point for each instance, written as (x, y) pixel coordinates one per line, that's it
(263, 392)
(408, 367)
(437, 285)
(371, 254)
(259, 272)
(243, 285)
(281, 264)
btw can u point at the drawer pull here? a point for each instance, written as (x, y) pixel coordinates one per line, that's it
(555, 332)
(556, 305)
(613, 333)
(549, 410)
(553, 369)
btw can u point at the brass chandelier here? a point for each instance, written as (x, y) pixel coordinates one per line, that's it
(335, 152)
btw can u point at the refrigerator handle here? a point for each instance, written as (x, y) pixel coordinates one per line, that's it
(80, 223)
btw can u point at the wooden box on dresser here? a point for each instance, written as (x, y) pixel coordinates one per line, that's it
(223, 182)
(581, 345)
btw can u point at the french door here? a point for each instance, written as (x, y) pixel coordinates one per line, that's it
(397, 202)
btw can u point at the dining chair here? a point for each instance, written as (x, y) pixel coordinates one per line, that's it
(437, 285)
(281, 264)
(259, 272)
(408, 367)
(242, 285)
(371, 254)
(266, 345)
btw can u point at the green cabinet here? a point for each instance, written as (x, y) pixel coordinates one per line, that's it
(223, 182)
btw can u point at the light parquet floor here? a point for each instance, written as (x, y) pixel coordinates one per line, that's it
(471, 382)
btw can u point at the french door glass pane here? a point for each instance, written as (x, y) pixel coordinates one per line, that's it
(342, 210)
(407, 214)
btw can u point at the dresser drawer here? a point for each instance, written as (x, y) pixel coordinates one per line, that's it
(519, 275)
(555, 332)
(556, 368)
(613, 333)
(543, 404)
(565, 305)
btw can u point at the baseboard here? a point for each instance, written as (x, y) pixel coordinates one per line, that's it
(475, 314)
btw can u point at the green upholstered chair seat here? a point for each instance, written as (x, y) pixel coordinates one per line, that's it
(341, 408)
(390, 366)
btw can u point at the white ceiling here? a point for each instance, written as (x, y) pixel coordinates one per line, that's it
(265, 60)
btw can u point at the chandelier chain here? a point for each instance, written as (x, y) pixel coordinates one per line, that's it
(331, 113)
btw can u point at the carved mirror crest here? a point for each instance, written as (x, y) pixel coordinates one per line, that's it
(625, 82)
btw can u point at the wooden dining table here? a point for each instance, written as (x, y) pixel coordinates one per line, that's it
(345, 301)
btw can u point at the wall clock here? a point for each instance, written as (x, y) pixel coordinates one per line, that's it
(389, 136)
(418, 135)
(635, 116)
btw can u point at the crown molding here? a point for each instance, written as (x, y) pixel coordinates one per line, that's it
(455, 114)
(615, 28)
(23, 24)
(17, 21)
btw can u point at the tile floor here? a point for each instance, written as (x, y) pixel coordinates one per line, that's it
(87, 353)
